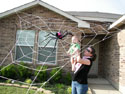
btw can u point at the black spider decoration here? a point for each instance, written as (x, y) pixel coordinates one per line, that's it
(58, 35)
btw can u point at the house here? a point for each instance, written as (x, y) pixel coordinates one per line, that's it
(25, 31)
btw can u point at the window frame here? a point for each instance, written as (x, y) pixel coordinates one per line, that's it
(37, 61)
(47, 63)
(30, 62)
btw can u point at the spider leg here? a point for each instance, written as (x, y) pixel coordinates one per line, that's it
(46, 44)
(48, 37)
(44, 40)
(49, 34)
(54, 46)
(67, 33)
(49, 41)
(52, 33)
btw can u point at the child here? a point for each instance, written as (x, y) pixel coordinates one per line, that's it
(74, 51)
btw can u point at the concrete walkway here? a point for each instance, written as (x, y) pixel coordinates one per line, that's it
(101, 86)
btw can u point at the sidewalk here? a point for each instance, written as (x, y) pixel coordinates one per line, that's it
(101, 86)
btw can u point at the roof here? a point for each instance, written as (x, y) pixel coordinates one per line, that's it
(95, 16)
(81, 23)
(117, 23)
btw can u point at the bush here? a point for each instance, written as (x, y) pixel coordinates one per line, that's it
(10, 72)
(24, 73)
(28, 81)
(16, 72)
(0, 69)
(42, 75)
(69, 90)
(68, 78)
(62, 89)
(0, 72)
(59, 86)
(8, 81)
(57, 75)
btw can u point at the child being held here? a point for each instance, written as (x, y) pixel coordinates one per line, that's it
(74, 51)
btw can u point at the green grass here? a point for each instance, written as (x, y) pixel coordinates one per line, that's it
(54, 88)
(58, 88)
(15, 90)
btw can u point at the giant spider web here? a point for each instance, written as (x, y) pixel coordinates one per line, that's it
(43, 26)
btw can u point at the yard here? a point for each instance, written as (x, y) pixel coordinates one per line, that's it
(16, 77)
(48, 89)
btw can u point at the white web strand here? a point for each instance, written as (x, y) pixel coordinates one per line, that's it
(52, 76)
(60, 41)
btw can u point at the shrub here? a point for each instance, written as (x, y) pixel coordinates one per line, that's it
(68, 78)
(24, 72)
(60, 89)
(28, 81)
(42, 74)
(10, 72)
(16, 72)
(0, 69)
(59, 86)
(57, 75)
(69, 90)
(8, 81)
(0, 72)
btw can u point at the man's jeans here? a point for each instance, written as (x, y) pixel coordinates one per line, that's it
(78, 88)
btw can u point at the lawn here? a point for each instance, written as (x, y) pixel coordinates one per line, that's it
(15, 90)
(54, 89)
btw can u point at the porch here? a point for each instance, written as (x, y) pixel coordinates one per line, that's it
(101, 86)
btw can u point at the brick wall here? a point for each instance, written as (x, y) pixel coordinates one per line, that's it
(112, 59)
(10, 24)
(121, 41)
(7, 39)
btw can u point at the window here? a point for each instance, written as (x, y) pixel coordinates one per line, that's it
(45, 54)
(24, 45)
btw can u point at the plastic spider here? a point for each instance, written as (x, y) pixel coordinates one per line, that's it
(58, 35)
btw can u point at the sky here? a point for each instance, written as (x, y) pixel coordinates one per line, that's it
(107, 6)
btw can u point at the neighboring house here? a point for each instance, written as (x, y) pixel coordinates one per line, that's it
(21, 24)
